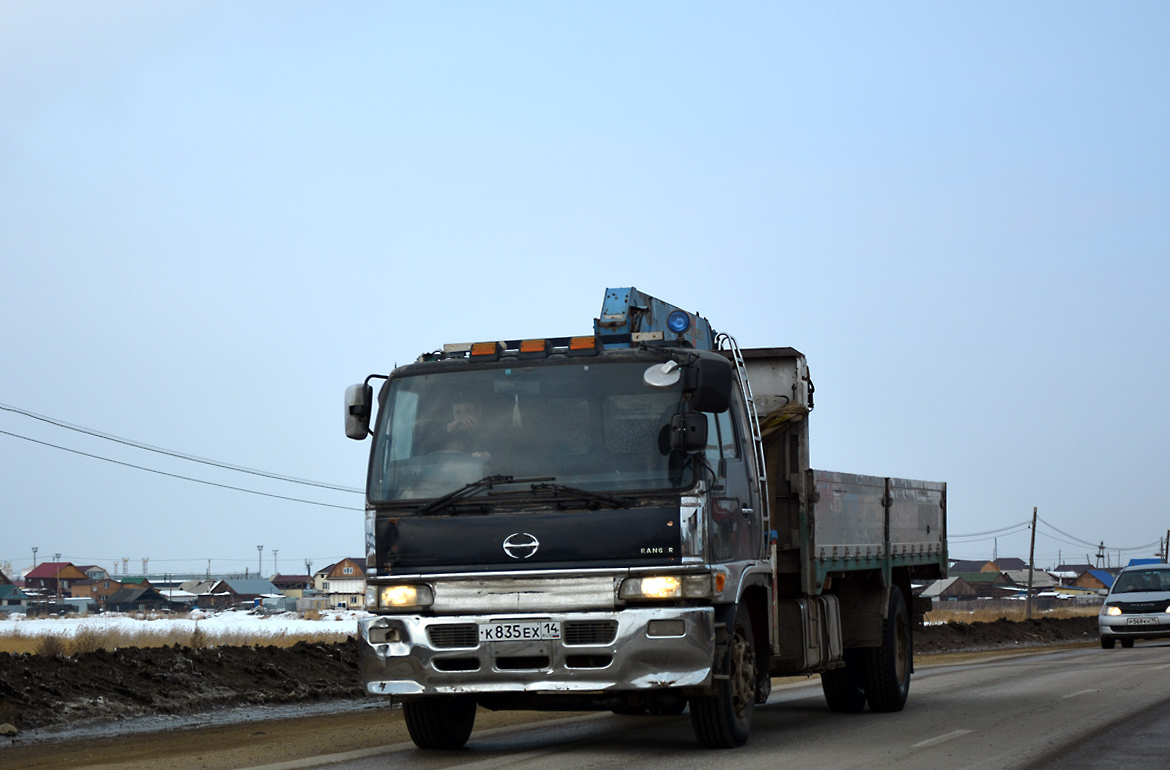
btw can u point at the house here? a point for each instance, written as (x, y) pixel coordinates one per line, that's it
(136, 599)
(1041, 580)
(988, 584)
(53, 577)
(996, 565)
(343, 583)
(138, 581)
(293, 586)
(950, 589)
(4, 581)
(235, 591)
(1094, 578)
(12, 596)
(98, 590)
(94, 572)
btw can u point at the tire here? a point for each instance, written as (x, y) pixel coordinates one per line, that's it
(842, 688)
(441, 722)
(724, 720)
(1127, 644)
(886, 677)
(1107, 643)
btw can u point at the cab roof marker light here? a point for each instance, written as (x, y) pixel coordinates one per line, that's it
(584, 346)
(457, 347)
(534, 348)
(485, 351)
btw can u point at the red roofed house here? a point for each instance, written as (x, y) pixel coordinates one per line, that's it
(53, 577)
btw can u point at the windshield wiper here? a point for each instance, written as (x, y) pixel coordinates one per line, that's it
(487, 482)
(615, 501)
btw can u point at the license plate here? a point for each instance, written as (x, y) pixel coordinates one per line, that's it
(519, 631)
(1141, 621)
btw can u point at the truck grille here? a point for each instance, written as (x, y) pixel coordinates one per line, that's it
(590, 631)
(454, 635)
(1139, 608)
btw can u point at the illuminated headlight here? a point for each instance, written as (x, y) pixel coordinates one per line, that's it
(399, 597)
(1113, 610)
(666, 587)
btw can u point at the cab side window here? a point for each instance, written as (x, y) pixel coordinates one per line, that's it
(721, 444)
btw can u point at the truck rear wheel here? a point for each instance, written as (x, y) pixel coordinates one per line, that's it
(441, 722)
(886, 680)
(842, 687)
(724, 720)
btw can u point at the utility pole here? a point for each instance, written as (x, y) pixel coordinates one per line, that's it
(1031, 562)
(275, 564)
(35, 549)
(1166, 548)
(259, 560)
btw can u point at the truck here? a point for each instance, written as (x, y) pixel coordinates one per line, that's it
(626, 521)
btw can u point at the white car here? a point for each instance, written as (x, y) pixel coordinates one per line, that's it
(1137, 606)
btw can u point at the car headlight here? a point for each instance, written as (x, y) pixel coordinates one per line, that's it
(666, 587)
(404, 596)
(1112, 610)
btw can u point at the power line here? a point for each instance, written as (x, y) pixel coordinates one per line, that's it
(172, 453)
(1015, 527)
(177, 476)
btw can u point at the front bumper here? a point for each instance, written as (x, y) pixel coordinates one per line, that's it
(1145, 626)
(598, 652)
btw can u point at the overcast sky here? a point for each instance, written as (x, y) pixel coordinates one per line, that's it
(215, 216)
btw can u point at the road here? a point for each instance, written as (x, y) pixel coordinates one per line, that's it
(1084, 708)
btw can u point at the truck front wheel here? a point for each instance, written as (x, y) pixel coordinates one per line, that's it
(724, 720)
(442, 722)
(886, 680)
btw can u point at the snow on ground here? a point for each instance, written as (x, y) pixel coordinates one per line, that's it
(213, 624)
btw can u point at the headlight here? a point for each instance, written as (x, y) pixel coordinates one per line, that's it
(1112, 610)
(666, 587)
(399, 597)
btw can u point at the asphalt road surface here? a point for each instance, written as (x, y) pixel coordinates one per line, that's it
(1072, 710)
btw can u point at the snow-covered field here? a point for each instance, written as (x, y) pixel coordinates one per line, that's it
(217, 626)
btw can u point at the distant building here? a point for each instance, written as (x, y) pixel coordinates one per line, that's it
(98, 590)
(234, 592)
(950, 589)
(136, 599)
(293, 586)
(988, 584)
(53, 577)
(343, 583)
(1094, 578)
(1041, 580)
(94, 572)
(12, 596)
(996, 565)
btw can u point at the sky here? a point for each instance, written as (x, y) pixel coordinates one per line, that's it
(215, 216)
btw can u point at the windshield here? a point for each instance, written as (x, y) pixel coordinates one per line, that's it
(595, 426)
(1137, 581)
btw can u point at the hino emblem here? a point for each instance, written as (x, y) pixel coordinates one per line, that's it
(521, 545)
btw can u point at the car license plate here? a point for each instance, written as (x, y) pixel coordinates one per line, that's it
(519, 631)
(1141, 621)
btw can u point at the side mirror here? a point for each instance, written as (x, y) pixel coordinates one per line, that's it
(688, 431)
(358, 405)
(1102, 591)
(708, 380)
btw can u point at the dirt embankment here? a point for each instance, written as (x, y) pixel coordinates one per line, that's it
(40, 691)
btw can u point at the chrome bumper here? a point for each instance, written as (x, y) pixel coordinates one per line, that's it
(597, 652)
